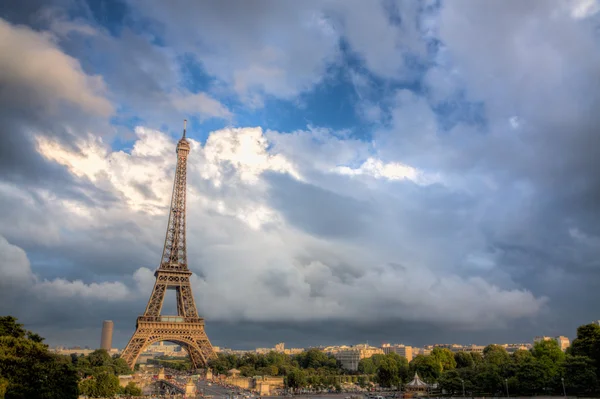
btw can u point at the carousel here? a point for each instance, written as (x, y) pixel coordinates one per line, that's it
(417, 387)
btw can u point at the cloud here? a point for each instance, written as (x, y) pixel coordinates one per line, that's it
(391, 171)
(19, 279)
(270, 246)
(199, 103)
(283, 50)
(25, 73)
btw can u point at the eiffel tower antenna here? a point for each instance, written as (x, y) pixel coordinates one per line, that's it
(187, 328)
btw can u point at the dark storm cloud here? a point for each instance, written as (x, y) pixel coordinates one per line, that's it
(316, 210)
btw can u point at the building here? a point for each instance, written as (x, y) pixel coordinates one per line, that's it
(421, 351)
(473, 348)
(402, 350)
(72, 351)
(293, 351)
(512, 348)
(351, 356)
(280, 347)
(263, 385)
(107, 333)
(563, 342)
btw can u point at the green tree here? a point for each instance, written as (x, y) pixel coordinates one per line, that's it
(367, 366)
(463, 359)
(10, 328)
(99, 358)
(3, 386)
(477, 358)
(296, 378)
(531, 376)
(550, 359)
(579, 374)
(445, 357)
(107, 385)
(120, 366)
(388, 372)
(587, 344)
(131, 390)
(521, 356)
(428, 368)
(31, 371)
(452, 382)
(496, 355)
(489, 378)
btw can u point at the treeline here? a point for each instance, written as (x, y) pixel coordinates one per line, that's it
(99, 375)
(310, 368)
(28, 370)
(544, 370)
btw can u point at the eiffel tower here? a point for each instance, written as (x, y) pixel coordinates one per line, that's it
(187, 328)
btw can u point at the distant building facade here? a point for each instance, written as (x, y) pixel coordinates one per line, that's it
(562, 341)
(402, 350)
(349, 357)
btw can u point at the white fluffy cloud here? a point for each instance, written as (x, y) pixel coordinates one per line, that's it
(255, 261)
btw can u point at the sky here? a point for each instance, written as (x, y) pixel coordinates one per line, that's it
(406, 172)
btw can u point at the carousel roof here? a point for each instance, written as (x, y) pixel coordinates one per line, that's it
(417, 382)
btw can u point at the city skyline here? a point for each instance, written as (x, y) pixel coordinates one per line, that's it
(358, 171)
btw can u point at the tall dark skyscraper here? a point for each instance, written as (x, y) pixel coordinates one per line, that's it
(107, 333)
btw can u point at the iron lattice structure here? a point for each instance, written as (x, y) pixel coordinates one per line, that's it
(187, 328)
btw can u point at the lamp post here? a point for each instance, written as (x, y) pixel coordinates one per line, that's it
(463, 385)
(506, 383)
(563, 384)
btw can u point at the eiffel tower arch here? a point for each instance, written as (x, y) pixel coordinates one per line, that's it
(187, 328)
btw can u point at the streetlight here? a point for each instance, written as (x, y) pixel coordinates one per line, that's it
(506, 383)
(463, 384)
(563, 384)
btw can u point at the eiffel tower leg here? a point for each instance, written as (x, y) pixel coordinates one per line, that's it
(134, 348)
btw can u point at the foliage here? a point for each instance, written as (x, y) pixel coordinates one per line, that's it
(181, 364)
(3, 386)
(587, 344)
(452, 382)
(310, 368)
(28, 369)
(463, 359)
(10, 328)
(428, 367)
(445, 357)
(296, 379)
(99, 362)
(131, 390)
(103, 385)
(539, 371)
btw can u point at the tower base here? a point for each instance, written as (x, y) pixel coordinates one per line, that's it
(188, 332)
